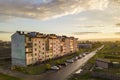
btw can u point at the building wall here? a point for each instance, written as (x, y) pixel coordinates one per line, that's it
(39, 49)
(84, 45)
(56, 48)
(18, 50)
(49, 53)
(28, 50)
(71, 45)
(75, 44)
(67, 46)
(101, 64)
(63, 48)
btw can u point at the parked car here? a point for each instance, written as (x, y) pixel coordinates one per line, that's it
(54, 68)
(59, 66)
(78, 72)
(86, 52)
(63, 64)
(83, 54)
(75, 58)
(80, 56)
(70, 61)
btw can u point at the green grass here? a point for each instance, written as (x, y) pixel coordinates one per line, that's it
(7, 77)
(85, 76)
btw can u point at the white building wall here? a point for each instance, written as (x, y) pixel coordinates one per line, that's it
(18, 49)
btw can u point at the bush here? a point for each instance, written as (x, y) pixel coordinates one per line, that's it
(48, 66)
(22, 69)
(58, 62)
(113, 57)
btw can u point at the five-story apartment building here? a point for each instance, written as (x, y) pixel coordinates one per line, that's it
(33, 47)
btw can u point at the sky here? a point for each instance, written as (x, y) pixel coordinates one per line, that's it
(83, 19)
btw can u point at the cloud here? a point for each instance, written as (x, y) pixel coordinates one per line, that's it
(117, 24)
(83, 33)
(88, 26)
(82, 19)
(117, 33)
(47, 9)
(5, 32)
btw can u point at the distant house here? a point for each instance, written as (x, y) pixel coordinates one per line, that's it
(116, 64)
(84, 46)
(103, 63)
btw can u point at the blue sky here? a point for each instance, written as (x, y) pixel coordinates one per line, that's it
(84, 19)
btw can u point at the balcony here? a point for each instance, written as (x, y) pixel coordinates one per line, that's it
(28, 50)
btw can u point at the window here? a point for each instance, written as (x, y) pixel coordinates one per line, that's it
(35, 49)
(29, 55)
(35, 39)
(29, 60)
(29, 39)
(43, 44)
(35, 59)
(35, 54)
(43, 48)
(35, 44)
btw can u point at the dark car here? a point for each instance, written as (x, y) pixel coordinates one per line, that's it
(59, 66)
(63, 64)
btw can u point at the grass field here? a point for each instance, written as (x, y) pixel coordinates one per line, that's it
(7, 77)
(85, 76)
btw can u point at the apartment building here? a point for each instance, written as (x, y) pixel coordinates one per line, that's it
(33, 47)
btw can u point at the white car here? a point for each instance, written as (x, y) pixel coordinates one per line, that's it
(70, 61)
(55, 68)
(75, 58)
(78, 72)
(83, 54)
(80, 55)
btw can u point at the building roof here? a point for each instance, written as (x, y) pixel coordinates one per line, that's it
(103, 60)
(41, 35)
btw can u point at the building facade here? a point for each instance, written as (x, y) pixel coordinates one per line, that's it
(33, 47)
